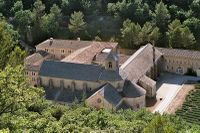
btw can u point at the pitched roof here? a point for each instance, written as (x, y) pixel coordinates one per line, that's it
(139, 63)
(70, 44)
(39, 55)
(123, 58)
(70, 71)
(85, 72)
(110, 75)
(34, 61)
(87, 54)
(148, 81)
(180, 53)
(132, 90)
(62, 44)
(110, 94)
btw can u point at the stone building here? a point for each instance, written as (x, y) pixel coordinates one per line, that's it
(180, 61)
(74, 70)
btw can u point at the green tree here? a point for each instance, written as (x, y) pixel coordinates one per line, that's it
(16, 57)
(56, 11)
(195, 8)
(194, 26)
(50, 22)
(130, 34)
(16, 93)
(22, 21)
(160, 125)
(161, 17)
(18, 6)
(7, 41)
(38, 12)
(149, 33)
(133, 35)
(77, 23)
(180, 36)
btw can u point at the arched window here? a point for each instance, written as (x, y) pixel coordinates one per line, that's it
(84, 86)
(73, 85)
(109, 64)
(61, 84)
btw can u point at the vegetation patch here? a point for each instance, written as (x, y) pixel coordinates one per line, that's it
(190, 110)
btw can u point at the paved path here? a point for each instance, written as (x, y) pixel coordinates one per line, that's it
(167, 92)
(168, 86)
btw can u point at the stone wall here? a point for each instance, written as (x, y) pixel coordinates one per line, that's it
(136, 103)
(180, 65)
(79, 84)
(97, 101)
(33, 77)
(57, 53)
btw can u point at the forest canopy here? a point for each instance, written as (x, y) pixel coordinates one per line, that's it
(107, 20)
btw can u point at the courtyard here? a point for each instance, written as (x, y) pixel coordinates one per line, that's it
(168, 86)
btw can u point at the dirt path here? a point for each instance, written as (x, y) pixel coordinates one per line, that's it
(179, 99)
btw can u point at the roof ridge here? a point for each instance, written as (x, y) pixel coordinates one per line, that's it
(136, 54)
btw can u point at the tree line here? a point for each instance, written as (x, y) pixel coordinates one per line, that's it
(132, 23)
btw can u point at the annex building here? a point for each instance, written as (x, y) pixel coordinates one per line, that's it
(94, 71)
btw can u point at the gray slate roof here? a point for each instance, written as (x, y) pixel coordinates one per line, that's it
(132, 90)
(110, 94)
(74, 71)
(110, 75)
(180, 53)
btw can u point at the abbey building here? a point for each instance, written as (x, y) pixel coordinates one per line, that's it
(93, 71)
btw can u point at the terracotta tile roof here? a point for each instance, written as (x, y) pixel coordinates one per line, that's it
(123, 58)
(62, 44)
(139, 63)
(34, 61)
(86, 55)
(36, 57)
(180, 53)
(71, 44)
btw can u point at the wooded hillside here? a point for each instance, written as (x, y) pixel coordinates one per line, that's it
(170, 23)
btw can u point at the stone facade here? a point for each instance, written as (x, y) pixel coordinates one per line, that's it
(136, 103)
(93, 67)
(180, 65)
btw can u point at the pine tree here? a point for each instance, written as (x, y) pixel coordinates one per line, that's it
(77, 23)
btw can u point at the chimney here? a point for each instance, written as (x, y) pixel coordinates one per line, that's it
(78, 39)
(51, 41)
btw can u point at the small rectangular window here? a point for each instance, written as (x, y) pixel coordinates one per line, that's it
(62, 51)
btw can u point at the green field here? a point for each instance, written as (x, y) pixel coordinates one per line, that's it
(190, 110)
